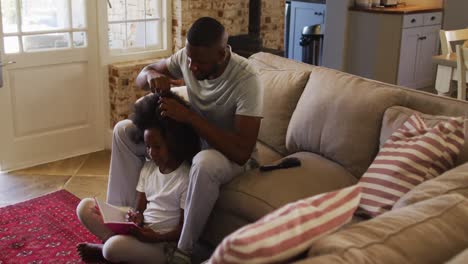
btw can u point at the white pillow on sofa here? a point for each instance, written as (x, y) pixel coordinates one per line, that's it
(289, 230)
(413, 154)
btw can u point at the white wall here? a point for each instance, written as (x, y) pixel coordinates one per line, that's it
(336, 25)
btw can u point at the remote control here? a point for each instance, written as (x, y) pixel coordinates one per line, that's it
(284, 164)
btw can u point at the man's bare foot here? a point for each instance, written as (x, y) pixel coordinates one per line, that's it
(90, 252)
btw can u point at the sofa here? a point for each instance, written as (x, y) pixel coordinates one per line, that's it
(335, 123)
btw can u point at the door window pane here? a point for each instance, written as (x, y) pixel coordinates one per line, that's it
(78, 13)
(46, 41)
(40, 15)
(9, 17)
(79, 39)
(43, 15)
(11, 44)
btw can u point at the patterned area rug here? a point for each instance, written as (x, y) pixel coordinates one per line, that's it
(42, 230)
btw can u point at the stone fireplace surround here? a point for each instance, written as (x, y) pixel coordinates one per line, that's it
(234, 16)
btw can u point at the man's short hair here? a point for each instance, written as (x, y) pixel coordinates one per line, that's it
(206, 32)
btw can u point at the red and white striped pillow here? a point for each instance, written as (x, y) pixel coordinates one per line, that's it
(413, 154)
(288, 230)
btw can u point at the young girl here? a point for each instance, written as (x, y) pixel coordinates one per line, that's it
(161, 193)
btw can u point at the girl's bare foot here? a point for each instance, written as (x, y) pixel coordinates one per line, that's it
(90, 252)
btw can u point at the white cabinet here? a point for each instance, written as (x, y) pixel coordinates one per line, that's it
(303, 14)
(394, 48)
(409, 51)
(418, 45)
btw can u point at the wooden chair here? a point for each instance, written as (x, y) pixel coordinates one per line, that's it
(462, 66)
(448, 36)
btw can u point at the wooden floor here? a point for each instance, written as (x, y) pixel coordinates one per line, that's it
(84, 176)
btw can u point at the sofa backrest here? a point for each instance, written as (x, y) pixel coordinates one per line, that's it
(340, 115)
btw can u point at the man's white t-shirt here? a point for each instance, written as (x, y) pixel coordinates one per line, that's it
(236, 92)
(165, 193)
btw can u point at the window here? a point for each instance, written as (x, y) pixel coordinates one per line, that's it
(43, 25)
(136, 26)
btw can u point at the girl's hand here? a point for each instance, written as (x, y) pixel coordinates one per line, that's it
(135, 217)
(145, 234)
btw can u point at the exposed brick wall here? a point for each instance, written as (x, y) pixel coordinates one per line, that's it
(122, 90)
(233, 14)
(272, 24)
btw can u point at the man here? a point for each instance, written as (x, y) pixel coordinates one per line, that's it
(226, 110)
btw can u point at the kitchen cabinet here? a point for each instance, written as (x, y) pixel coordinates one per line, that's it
(419, 42)
(394, 48)
(303, 14)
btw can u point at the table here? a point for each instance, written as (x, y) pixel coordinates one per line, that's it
(446, 72)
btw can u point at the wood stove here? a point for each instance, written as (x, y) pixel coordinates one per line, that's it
(248, 44)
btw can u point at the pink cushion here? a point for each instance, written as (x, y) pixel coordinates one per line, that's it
(290, 229)
(413, 154)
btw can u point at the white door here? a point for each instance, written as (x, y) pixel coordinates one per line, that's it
(50, 101)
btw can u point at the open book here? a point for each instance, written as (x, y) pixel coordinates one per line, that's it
(114, 218)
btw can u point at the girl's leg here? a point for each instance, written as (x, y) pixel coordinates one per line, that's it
(89, 216)
(127, 249)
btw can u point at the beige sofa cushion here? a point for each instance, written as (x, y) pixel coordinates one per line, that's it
(395, 116)
(339, 116)
(316, 175)
(266, 155)
(282, 89)
(431, 231)
(254, 194)
(452, 181)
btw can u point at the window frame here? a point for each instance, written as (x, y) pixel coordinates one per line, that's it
(119, 55)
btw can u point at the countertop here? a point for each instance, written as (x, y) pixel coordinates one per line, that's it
(310, 1)
(401, 9)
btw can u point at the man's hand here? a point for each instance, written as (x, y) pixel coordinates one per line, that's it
(145, 234)
(158, 83)
(173, 109)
